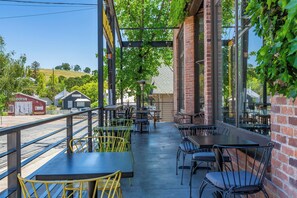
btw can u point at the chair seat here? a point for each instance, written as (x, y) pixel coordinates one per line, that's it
(238, 179)
(208, 157)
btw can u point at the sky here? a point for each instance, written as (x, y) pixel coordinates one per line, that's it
(51, 39)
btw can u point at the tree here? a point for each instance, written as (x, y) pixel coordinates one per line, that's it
(41, 85)
(87, 70)
(77, 68)
(142, 63)
(59, 67)
(66, 66)
(35, 66)
(11, 71)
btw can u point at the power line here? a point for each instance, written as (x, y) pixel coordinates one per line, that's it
(46, 6)
(50, 3)
(43, 14)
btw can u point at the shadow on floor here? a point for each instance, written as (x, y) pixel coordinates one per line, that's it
(154, 167)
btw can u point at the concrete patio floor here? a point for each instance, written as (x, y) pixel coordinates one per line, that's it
(154, 167)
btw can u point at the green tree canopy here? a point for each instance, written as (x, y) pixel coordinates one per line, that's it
(35, 66)
(142, 63)
(77, 68)
(87, 70)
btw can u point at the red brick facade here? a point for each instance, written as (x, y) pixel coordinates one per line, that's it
(284, 155)
(189, 64)
(208, 81)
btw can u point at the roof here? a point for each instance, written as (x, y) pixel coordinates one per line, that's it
(61, 94)
(164, 81)
(30, 97)
(73, 93)
(48, 101)
(82, 100)
(252, 93)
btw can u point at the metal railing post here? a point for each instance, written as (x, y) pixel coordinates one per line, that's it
(69, 130)
(90, 131)
(14, 162)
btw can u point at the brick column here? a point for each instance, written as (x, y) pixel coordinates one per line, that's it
(175, 71)
(189, 58)
(208, 71)
(284, 156)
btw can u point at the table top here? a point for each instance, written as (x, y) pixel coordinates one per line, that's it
(86, 165)
(114, 128)
(225, 140)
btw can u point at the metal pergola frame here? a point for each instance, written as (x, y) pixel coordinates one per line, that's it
(114, 26)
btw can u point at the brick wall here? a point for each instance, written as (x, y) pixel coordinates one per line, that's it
(189, 54)
(284, 156)
(208, 82)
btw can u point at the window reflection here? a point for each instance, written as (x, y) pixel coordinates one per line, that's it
(252, 108)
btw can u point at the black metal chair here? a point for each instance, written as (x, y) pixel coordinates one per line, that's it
(206, 155)
(186, 147)
(244, 175)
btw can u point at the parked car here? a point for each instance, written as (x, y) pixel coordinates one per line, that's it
(74, 110)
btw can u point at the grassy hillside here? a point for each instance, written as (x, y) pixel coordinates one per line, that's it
(67, 74)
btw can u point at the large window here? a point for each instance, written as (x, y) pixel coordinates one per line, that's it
(181, 70)
(199, 63)
(245, 102)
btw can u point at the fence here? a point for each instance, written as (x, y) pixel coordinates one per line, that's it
(16, 149)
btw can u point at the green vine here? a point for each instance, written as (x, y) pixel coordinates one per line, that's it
(276, 22)
(178, 11)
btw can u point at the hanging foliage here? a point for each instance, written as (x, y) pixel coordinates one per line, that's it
(276, 22)
(178, 11)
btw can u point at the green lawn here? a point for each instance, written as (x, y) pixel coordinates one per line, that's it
(67, 74)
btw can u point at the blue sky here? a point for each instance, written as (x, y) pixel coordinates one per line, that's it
(51, 39)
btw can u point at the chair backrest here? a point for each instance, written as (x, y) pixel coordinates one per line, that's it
(99, 144)
(107, 186)
(247, 168)
(222, 129)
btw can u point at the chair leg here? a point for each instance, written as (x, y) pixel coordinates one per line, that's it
(265, 193)
(182, 177)
(202, 187)
(191, 174)
(177, 160)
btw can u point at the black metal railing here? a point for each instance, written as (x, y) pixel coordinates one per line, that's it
(14, 162)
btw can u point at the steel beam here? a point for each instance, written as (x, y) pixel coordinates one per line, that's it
(152, 43)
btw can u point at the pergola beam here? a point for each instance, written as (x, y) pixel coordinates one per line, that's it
(150, 28)
(152, 43)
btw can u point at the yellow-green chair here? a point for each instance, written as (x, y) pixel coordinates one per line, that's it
(99, 144)
(107, 187)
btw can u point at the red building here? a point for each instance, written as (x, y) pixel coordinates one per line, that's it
(23, 104)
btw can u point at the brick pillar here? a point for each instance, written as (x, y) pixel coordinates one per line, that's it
(189, 58)
(175, 71)
(208, 71)
(284, 155)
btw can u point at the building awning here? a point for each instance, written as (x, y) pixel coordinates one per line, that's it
(82, 100)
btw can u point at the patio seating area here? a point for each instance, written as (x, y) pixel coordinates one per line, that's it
(154, 166)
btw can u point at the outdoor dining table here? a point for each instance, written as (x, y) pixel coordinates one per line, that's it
(86, 165)
(208, 141)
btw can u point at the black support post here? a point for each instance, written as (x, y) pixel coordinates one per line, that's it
(113, 61)
(100, 60)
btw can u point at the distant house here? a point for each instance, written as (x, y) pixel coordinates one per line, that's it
(75, 99)
(48, 101)
(59, 96)
(162, 95)
(23, 104)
